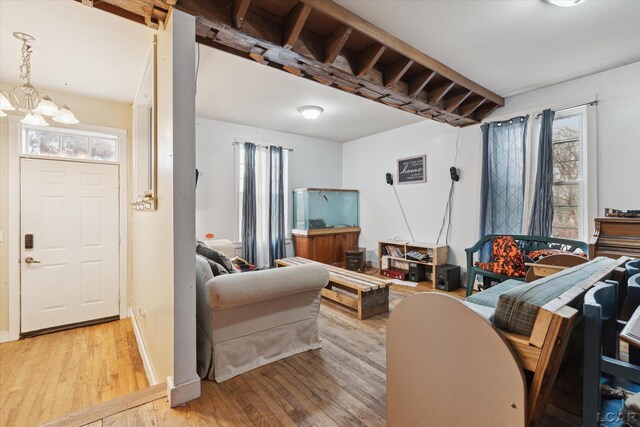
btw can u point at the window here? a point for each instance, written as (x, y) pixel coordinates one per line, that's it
(69, 144)
(569, 195)
(262, 189)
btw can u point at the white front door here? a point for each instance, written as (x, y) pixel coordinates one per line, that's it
(69, 216)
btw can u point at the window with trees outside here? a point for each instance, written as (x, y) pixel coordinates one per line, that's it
(568, 175)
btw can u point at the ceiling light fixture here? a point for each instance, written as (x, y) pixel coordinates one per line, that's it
(310, 112)
(564, 3)
(27, 99)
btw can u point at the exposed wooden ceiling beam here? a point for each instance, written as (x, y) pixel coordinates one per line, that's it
(396, 70)
(418, 82)
(483, 112)
(470, 106)
(293, 24)
(239, 11)
(368, 58)
(347, 17)
(438, 93)
(335, 42)
(454, 102)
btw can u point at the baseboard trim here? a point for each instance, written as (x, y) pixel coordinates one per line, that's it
(142, 349)
(5, 336)
(183, 393)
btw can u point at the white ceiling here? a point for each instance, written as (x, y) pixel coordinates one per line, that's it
(238, 90)
(513, 46)
(78, 49)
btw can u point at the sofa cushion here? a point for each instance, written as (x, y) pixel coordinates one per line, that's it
(482, 310)
(518, 307)
(489, 297)
(216, 256)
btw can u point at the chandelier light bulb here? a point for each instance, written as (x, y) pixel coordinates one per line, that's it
(310, 112)
(65, 116)
(34, 119)
(47, 107)
(5, 104)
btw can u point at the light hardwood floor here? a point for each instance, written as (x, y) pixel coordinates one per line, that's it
(342, 384)
(48, 376)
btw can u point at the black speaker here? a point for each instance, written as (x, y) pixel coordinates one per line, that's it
(447, 277)
(417, 272)
(389, 178)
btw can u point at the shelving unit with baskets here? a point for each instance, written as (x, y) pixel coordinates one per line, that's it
(398, 254)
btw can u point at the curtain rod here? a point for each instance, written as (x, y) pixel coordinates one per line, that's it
(258, 145)
(594, 102)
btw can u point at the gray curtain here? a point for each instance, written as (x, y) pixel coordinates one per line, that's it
(503, 177)
(276, 205)
(249, 222)
(541, 220)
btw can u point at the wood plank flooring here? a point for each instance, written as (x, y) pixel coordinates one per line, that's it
(342, 384)
(48, 376)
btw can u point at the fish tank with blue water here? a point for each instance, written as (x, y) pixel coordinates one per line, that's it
(324, 208)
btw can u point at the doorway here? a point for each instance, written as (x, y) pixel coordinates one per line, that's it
(69, 222)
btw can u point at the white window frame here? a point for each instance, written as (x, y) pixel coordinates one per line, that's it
(588, 167)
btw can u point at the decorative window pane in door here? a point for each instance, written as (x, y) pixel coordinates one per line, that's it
(69, 144)
(103, 149)
(42, 143)
(75, 146)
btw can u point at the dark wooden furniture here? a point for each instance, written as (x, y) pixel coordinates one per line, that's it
(326, 245)
(355, 259)
(368, 295)
(615, 237)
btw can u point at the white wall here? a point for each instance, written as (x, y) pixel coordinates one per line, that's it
(313, 163)
(366, 160)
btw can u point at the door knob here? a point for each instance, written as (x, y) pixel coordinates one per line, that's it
(30, 260)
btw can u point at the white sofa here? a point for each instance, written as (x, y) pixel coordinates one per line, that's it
(247, 320)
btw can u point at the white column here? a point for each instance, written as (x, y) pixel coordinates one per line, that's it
(185, 383)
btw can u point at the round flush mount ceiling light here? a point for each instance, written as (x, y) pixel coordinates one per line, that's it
(564, 3)
(310, 112)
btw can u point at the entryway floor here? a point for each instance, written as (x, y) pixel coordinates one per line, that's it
(46, 377)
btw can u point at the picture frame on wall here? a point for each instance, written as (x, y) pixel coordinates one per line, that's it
(412, 170)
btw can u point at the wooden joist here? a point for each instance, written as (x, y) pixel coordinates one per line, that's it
(439, 92)
(395, 71)
(368, 58)
(335, 42)
(418, 82)
(293, 24)
(240, 8)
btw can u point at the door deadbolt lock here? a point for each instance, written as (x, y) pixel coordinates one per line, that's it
(30, 260)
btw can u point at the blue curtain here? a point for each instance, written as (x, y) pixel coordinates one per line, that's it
(542, 211)
(503, 177)
(276, 205)
(249, 211)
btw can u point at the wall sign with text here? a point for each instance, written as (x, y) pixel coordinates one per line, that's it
(412, 170)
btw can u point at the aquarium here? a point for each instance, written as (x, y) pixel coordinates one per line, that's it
(320, 208)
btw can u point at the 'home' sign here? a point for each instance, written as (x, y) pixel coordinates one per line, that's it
(412, 170)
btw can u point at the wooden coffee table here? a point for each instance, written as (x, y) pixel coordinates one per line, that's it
(368, 295)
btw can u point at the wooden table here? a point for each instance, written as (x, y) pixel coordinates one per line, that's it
(368, 295)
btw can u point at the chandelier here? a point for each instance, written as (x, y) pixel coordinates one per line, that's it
(26, 99)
